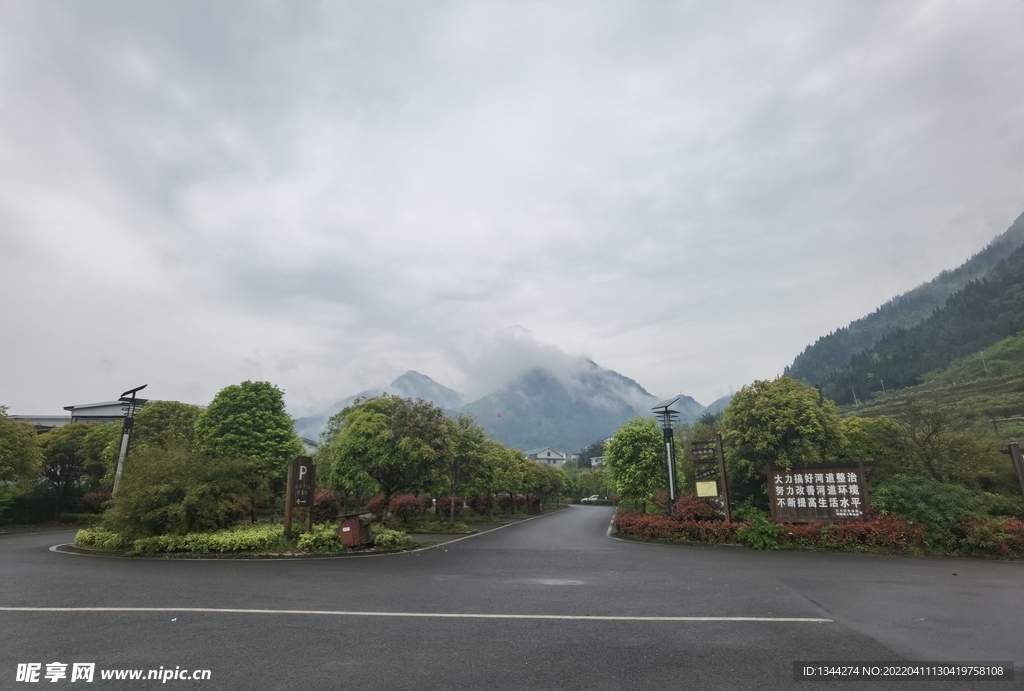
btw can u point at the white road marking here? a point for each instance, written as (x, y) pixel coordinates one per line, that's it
(422, 615)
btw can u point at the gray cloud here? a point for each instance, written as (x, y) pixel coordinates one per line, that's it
(329, 195)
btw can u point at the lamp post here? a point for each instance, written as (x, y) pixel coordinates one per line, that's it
(664, 411)
(126, 431)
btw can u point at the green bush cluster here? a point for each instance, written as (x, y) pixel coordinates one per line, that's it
(759, 533)
(943, 509)
(260, 537)
(322, 539)
(178, 491)
(98, 538)
(389, 538)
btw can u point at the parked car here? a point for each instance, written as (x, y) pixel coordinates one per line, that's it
(590, 499)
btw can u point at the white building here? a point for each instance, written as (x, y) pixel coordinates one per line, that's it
(89, 413)
(546, 456)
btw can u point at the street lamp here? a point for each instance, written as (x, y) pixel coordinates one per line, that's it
(664, 411)
(126, 430)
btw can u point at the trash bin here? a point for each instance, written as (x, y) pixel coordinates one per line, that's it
(355, 529)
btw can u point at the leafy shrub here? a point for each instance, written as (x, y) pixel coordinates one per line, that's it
(405, 506)
(323, 538)
(660, 500)
(997, 537)
(759, 533)
(258, 537)
(93, 502)
(690, 507)
(481, 503)
(26, 503)
(652, 526)
(1001, 505)
(377, 506)
(444, 506)
(940, 506)
(875, 533)
(388, 538)
(326, 505)
(177, 491)
(98, 538)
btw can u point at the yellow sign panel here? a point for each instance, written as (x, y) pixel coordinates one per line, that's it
(707, 489)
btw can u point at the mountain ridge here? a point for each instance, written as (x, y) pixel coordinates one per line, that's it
(836, 349)
(566, 409)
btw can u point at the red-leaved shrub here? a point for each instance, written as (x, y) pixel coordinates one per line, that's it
(690, 507)
(326, 505)
(876, 533)
(652, 526)
(92, 502)
(405, 506)
(481, 503)
(993, 536)
(444, 506)
(377, 506)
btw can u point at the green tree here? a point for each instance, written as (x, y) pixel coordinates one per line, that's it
(166, 424)
(506, 471)
(101, 446)
(938, 442)
(782, 422)
(20, 456)
(465, 458)
(635, 458)
(592, 450)
(593, 481)
(249, 421)
(64, 461)
(398, 442)
(21, 462)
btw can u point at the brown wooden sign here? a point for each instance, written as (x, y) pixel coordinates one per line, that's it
(305, 473)
(705, 459)
(709, 461)
(814, 494)
(299, 492)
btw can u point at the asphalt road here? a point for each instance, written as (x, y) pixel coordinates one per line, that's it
(300, 630)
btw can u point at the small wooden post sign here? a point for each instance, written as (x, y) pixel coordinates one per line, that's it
(300, 493)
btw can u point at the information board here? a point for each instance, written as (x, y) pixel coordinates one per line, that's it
(807, 495)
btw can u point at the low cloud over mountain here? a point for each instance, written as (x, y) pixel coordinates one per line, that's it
(561, 401)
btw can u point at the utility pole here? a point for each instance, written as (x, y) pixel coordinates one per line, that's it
(126, 430)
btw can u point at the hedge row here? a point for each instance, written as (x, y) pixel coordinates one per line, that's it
(258, 538)
(987, 536)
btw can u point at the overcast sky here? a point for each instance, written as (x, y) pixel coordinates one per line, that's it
(326, 195)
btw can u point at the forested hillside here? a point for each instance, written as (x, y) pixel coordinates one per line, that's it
(985, 384)
(981, 314)
(834, 351)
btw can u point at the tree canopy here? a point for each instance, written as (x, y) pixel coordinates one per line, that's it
(246, 420)
(397, 442)
(635, 458)
(20, 456)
